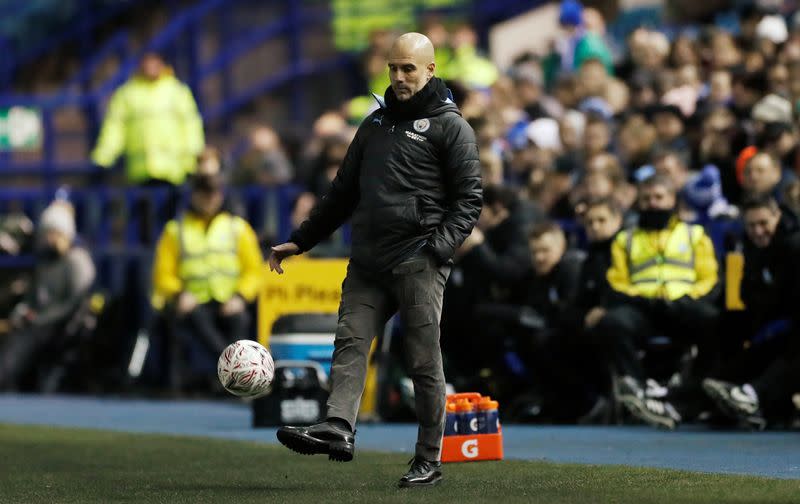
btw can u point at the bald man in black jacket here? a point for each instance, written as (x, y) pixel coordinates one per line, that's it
(411, 184)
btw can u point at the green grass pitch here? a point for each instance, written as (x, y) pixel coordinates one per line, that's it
(51, 466)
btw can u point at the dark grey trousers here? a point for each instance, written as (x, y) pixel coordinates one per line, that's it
(414, 288)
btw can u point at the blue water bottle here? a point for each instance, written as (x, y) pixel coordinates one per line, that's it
(488, 417)
(451, 420)
(467, 419)
(481, 414)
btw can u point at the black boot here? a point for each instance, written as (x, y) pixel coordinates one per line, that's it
(328, 438)
(422, 473)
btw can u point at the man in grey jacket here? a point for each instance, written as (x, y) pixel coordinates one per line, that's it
(411, 184)
(62, 277)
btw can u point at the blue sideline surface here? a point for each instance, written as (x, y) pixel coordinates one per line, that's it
(770, 454)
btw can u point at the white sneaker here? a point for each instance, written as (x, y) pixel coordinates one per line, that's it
(652, 411)
(736, 401)
(654, 389)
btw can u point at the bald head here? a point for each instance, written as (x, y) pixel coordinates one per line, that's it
(411, 64)
(414, 45)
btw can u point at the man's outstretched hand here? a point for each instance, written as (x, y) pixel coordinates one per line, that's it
(281, 252)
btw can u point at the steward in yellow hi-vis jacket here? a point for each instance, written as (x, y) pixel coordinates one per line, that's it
(153, 120)
(208, 266)
(667, 263)
(664, 279)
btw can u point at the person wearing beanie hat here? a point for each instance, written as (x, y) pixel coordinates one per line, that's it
(703, 195)
(59, 217)
(741, 161)
(62, 277)
(571, 13)
(597, 106)
(544, 134)
(576, 45)
(772, 109)
(772, 28)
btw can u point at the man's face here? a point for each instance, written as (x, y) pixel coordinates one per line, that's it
(592, 77)
(546, 252)
(720, 86)
(760, 225)
(570, 138)
(761, 175)
(598, 185)
(596, 138)
(407, 73)
(674, 168)
(438, 34)
(656, 197)
(152, 66)
(527, 92)
(667, 126)
(786, 143)
(207, 203)
(601, 223)
(57, 241)
(743, 96)
(644, 96)
(778, 78)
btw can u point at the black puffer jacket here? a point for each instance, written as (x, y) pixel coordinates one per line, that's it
(553, 294)
(594, 289)
(410, 179)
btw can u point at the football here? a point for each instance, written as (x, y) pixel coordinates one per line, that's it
(246, 369)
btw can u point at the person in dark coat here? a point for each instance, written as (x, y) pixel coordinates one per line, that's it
(602, 220)
(410, 183)
(62, 278)
(542, 340)
(489, 261)
(499, 248)
(756, 386)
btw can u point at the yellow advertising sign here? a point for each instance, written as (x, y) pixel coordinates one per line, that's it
(734, 270)
(307, 286)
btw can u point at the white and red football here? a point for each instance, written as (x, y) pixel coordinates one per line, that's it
(246, 369)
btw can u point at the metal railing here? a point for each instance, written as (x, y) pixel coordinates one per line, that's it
(181, 38)
(88, 16)
(186, 25)
(123, 224)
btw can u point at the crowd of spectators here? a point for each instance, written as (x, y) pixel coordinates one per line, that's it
(616, 183)
(619, 176)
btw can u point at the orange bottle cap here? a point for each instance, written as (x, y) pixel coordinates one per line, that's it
(451, 407)
(488, 405)
(472, 396)
(464, 405)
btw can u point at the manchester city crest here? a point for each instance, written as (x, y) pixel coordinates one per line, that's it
(422, 125)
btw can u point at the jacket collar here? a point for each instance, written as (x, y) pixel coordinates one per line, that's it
(433, 99)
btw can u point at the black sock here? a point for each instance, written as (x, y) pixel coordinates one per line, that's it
(340, 423)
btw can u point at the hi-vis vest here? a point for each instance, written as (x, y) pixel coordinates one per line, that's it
(662, 263)
(209, 261)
